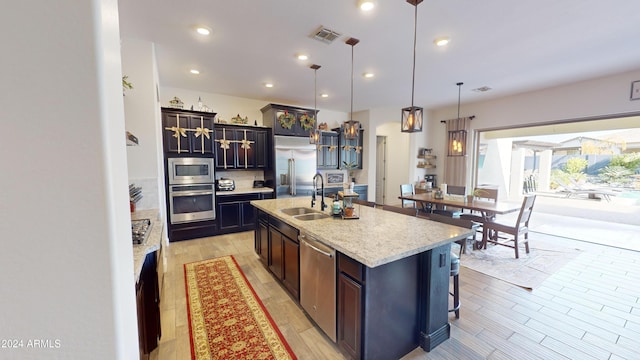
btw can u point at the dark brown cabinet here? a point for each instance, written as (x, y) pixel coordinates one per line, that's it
(328, 153)
(291, 266)
(235, 212)
(350, 151)
(288, 120)
(389, 298)
(225, 148)
(275, 253)
(349, 315)
(241, 147)
(187, 132)
(281, 254)
(148, 305)
(262, 238)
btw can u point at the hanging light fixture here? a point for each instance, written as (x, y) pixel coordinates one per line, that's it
(412, 116)
(351, 128)
(315, 135)
(458, 138)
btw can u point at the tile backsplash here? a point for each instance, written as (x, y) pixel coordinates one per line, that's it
(243, 179)
(150, 198)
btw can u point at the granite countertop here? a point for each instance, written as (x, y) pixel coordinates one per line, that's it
(247, 190)
(151, 244)
(376, 238)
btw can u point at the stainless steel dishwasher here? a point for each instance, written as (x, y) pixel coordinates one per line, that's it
(318, 283)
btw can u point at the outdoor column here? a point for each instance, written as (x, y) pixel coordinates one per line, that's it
(517, 173)
(544, 176)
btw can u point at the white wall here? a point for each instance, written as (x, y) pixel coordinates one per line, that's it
(402, 152)
(227, 107)
(142, 118)
(66, 242)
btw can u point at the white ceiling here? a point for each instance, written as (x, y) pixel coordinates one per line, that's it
(510, 46)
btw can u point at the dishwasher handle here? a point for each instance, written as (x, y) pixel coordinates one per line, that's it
(306, 243)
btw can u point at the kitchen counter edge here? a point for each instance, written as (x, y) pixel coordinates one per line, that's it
(151, 244)
(381, 236)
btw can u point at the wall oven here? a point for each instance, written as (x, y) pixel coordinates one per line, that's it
(192, 195)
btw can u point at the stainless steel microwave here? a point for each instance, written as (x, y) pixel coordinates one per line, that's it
(190, 171)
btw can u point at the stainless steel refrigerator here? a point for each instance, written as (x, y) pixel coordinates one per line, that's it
(295, 166)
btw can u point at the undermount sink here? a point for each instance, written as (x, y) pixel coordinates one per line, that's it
(311, 216)
(300, 211)
(305, 213)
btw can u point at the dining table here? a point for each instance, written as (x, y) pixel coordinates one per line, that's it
(487, 209)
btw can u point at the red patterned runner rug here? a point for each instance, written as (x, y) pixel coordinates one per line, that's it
(227, 320)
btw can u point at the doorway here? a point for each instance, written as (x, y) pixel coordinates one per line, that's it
(381, 169)
(573, 169)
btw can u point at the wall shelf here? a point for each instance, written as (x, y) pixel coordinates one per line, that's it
(429, 162)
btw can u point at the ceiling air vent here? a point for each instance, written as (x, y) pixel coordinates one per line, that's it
(325, 35)
(482, 89)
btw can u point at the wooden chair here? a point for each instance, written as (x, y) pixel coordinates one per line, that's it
(407, 189)
(448, 211)
(485, 194)
(364, 202)
(401, 210)
(457, 222)
(502, 234)
(455, 258)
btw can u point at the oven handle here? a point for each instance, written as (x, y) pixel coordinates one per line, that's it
(190, 193)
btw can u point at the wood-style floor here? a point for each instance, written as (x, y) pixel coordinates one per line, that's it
(590, 309)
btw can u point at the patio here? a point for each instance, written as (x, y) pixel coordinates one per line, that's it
(615, 223)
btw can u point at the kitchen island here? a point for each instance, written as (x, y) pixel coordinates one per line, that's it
(392, 273)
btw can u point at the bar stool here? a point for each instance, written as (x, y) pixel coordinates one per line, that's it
(455, 272)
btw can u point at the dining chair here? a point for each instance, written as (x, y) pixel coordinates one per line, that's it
(407, 189)
(455, 258)
(450, 211)
(503, 234)
(485, 194)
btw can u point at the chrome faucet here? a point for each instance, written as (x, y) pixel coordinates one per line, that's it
(315, 190)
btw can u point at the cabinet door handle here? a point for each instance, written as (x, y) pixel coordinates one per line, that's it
(329, 255)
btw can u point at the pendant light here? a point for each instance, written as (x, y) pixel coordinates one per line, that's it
(458, 138)
(315, 135)
(351, 128)
(412, 116)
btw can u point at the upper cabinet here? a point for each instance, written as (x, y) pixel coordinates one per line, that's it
(350, 151)
(287, 120)
(242, 147)
(187, 132)
(328, 151)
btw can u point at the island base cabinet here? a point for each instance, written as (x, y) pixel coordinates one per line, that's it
(434, 324)
(277, 246)
(262, 242)
(275, 253)
(378, 311)
(148, 306)
(349, 315)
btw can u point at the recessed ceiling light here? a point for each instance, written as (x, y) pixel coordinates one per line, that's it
(268, 85)
(366, 5)
(368, 75)
(203, 30)
(441, 41)
(303, 56)
(324, 95)
(194, 71)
